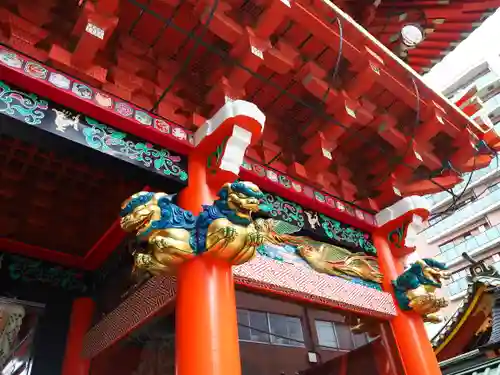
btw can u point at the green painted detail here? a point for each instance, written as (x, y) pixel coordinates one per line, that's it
(396, 236)
(104, 138)
(285, 181)
(285, 210)
(17, 103)
(262, 250)
(29, 270)
(413, 278)
(339, 232)
(215, 157)
(369, 284)
(382, 126)
(320, 197)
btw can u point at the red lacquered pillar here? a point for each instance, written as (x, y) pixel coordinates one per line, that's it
(206, 323)
(80, 322)
(206, 332)
(414, 347)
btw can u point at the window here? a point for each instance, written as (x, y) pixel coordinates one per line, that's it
(269, 328)
(495, 262)
(483, 227)
(465, 243)
(338, 336)
(448, 251)
(434, 220)
(458, 282)
(327, 336)
(447, 246)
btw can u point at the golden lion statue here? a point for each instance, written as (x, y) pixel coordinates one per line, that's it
(415, 289)
(174, 235)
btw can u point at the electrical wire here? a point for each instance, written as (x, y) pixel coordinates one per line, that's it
(199, 41)
(454, 208)
(295, 98)
(456, 199)
(136, 21)
(339, 55)
(167, 25)
(491, 185)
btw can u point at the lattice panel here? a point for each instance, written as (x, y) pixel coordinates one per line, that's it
(298, 281)
(53, 200)
(134, 311)
(264, 274)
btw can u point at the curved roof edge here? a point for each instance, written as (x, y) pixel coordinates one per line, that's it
(483, 281)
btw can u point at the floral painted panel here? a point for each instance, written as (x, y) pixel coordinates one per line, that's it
(76, 127)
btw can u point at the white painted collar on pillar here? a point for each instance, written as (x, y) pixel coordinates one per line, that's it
(232, 109)
(401, 208)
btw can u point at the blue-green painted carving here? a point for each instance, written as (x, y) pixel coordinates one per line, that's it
(106, 139)
(415, 288)
(22, 105)
(396, 236)
(284, 210)
(346, 234)
(293, 213)
(29, 270)
(30, 109)
(176, 235)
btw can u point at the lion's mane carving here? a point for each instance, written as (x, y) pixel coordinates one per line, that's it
(415, 289)
(174, 235)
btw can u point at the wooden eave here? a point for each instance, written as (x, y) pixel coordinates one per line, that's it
(460, 328)
(336, 99)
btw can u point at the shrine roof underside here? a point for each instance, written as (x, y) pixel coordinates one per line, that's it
(335, 98)
(445, 23)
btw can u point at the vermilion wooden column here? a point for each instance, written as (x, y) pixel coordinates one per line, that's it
(206, 321)
(415, 349)
(80, 322)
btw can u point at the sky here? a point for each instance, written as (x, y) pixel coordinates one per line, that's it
(483, 41)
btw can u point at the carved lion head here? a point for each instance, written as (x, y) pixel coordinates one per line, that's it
(140, 211)
(242, 199)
